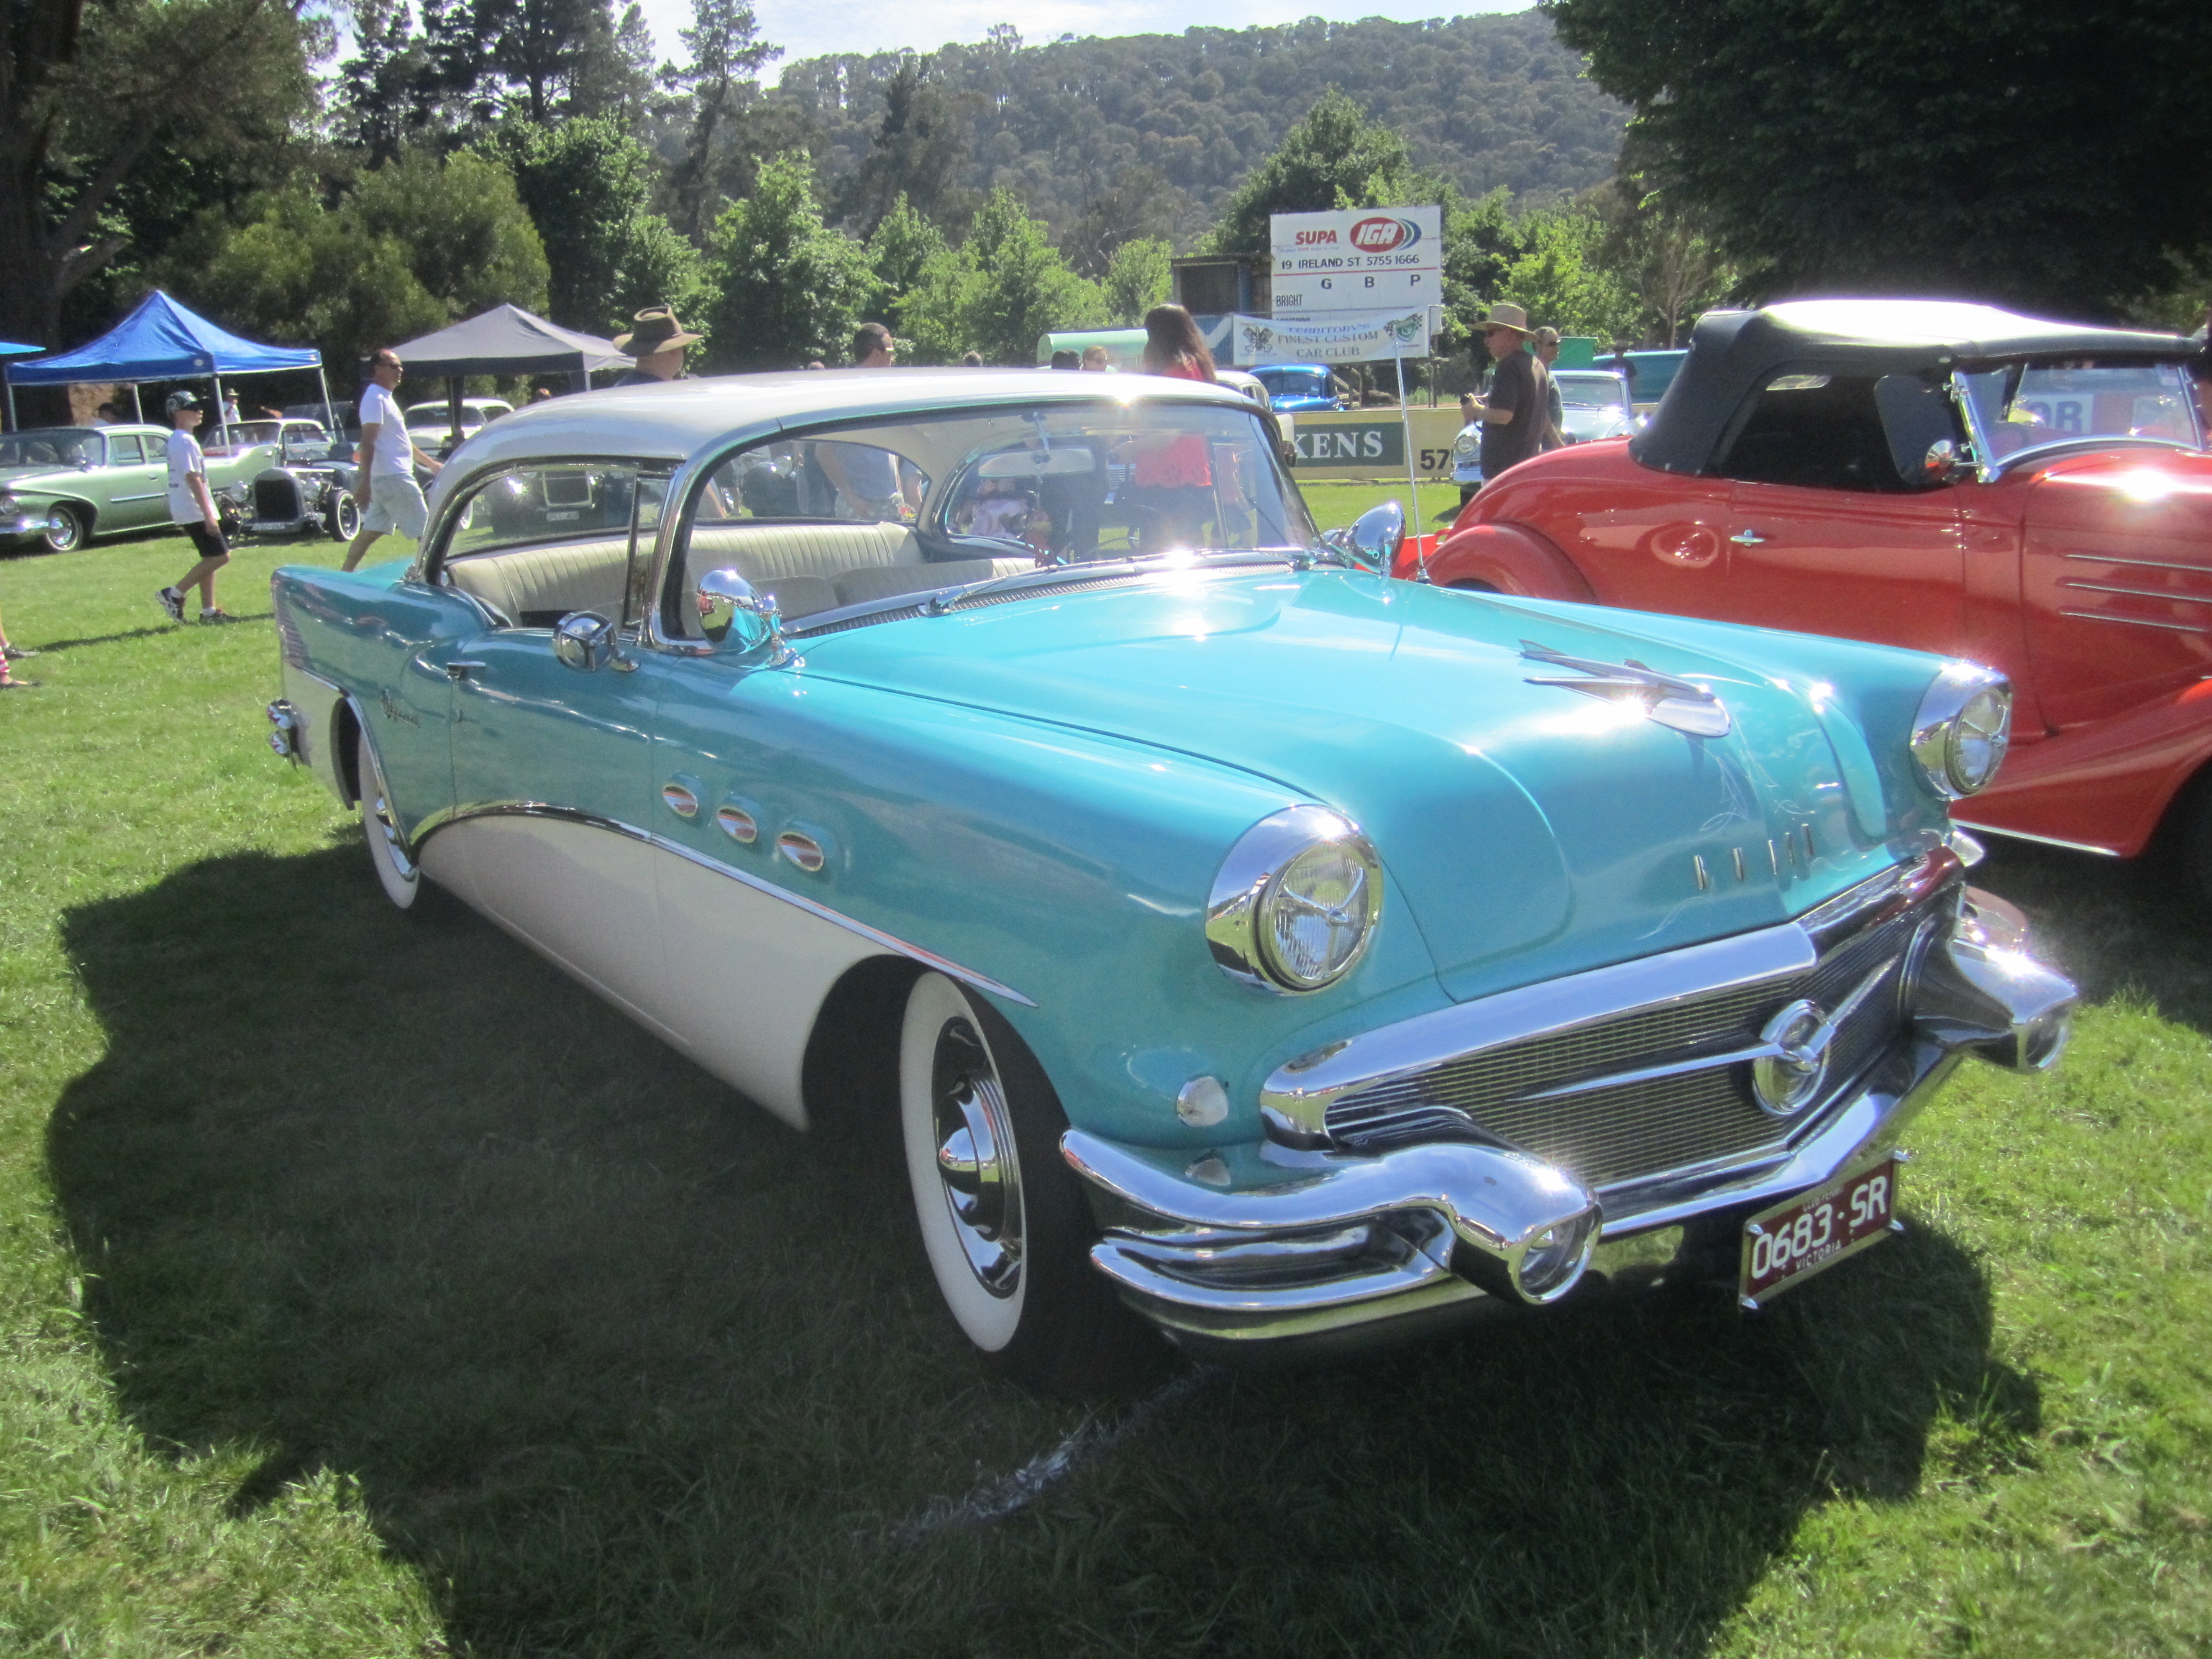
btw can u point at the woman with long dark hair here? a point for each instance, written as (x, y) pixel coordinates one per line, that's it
(1173, 482)
(1174, 346)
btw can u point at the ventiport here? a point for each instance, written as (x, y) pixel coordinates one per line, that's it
(1503, 1152)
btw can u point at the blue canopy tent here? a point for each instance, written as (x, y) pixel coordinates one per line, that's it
(10, 349)
(163, 341)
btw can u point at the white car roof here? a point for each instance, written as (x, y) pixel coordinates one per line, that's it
(677, 419)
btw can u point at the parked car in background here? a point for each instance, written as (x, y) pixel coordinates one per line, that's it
(1952, 479)
(1244, 380)
(1596, 403)
(242, 435)
(431, 424)
(62, 486)
(306, 490)
(1226, 931)
(1296, 388)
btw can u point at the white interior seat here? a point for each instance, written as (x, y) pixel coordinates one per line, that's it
(535, 587)
(887, 581)
(799, 596)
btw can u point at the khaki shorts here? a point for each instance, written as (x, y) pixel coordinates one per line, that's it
(395, 503)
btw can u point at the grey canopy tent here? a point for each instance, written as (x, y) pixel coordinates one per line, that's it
(162, 340)
(506, 340)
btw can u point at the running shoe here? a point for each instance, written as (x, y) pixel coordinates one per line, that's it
(173, 601)
(216, 617)
(16, 653)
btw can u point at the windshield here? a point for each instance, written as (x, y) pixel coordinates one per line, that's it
(2021, 406)
(1306, 383)
(52, 447)
(1588, 391)
(1057, 482)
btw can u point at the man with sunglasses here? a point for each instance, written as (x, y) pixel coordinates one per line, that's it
(1514, 415)
(393, 501)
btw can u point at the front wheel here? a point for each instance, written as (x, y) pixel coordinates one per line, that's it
(389, 855)
(1003, 1220)
(66, 526)
(343, 518)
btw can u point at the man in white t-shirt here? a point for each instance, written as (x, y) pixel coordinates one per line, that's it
(193, 510)
(388, 456)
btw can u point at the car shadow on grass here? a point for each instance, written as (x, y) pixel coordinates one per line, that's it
(621, 1365)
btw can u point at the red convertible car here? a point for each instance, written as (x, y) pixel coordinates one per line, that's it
(2031, 494)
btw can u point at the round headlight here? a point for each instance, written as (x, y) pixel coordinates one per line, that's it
(1963, 726)
(1295, 903)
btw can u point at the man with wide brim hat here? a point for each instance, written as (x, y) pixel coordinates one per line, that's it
(1513, 415)
(656, 340)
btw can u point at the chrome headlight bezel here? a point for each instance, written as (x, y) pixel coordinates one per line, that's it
(1965, 711)
(1250, 884)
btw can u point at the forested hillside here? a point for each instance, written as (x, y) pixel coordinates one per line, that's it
(1485, 101)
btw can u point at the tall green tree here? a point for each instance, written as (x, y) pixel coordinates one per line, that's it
(790, 289)
(92, 97)
(417, 245)
(915, 153)
(716, 79)
(1336, 157)
(998, 291)
(900, 252)
(1138, 277)
(2048, 156)
(587, 184)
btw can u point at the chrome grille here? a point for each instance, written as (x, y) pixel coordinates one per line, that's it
(275, 500)
(1629, 1131)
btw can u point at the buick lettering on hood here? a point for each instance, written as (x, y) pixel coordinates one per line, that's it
(1242, 945)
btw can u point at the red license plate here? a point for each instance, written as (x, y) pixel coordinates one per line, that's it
(1798, 1237)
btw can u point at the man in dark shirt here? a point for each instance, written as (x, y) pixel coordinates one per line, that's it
(656, 340)
(1513, 416)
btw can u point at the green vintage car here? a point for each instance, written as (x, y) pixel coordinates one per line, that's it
(62, 485)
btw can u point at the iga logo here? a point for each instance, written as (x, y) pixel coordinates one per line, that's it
(1384, 235)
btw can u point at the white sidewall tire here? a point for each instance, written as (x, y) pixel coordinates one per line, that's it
(400, 878)
(989, 1321)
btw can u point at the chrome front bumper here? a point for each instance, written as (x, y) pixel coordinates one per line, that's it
(1296, 1242)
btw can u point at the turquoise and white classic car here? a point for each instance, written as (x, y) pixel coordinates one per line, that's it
(1233, 936)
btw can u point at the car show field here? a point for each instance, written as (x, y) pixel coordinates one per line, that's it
(371, 1288)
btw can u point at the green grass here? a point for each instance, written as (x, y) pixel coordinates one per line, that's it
(366, 1288)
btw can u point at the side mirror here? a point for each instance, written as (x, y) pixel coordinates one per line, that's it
(1943, 464)
(583, 639)
(741, 622)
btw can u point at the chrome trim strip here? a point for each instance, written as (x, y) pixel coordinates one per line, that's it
(2136, 593)
(2147, 564)
(2133, 621)
(592, 820)
(2040, 841)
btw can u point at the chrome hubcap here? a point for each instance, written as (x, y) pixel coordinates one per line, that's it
(976, 1168)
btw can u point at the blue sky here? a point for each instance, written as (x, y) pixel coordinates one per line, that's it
(808, 29)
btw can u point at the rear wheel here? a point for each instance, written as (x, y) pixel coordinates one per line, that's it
(1003, 1220)
(66, 527)
(343, 518)
(389, 855)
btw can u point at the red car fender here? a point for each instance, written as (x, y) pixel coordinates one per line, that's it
(1509, 558)
(2106, 788)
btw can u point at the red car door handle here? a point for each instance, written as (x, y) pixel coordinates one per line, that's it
(1748, 538)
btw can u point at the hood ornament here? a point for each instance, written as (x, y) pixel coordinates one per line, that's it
(1676, 704)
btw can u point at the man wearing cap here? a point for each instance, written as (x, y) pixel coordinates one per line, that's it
(1513, 416)
(657, 340)
(1555, 409)
(193, 510)
(388, 456)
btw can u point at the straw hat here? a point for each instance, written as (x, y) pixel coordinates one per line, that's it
(654, 328)
(1502, 315)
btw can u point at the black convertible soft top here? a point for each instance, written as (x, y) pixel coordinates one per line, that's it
(1734, 352)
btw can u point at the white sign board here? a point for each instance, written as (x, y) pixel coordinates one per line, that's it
(1350, 339)
(1359, 260)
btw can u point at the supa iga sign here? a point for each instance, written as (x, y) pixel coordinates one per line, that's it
(1360, 260)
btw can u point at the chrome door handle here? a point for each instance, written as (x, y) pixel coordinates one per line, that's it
(459, 670)
(1748, 538)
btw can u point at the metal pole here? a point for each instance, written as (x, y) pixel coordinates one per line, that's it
(4, 380)
(329, 413)
(138, 408)
(1406, 422)
(222, 414)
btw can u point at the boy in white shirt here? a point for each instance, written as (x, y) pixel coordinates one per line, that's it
(193, 509)
(388, 456)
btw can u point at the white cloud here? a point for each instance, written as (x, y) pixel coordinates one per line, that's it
(809, 28)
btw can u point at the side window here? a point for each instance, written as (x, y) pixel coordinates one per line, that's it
(834, 479)
(1816, 431)
(125, 452)
(558, 501)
